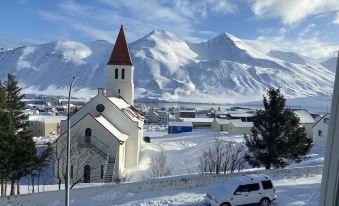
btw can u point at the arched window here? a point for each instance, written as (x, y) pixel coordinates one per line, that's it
(123, 74)
(87, 174)
(116, 73)
(88, 134)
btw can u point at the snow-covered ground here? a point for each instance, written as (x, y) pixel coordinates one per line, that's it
(181, 150)
(291, 191)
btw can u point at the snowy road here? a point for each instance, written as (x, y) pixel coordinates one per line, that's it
(291, 192)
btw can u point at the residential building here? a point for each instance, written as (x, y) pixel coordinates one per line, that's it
(320, 130)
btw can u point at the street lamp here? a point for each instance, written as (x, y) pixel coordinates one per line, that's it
(68, 143)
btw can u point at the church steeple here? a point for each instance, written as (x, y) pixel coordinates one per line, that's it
(119, 82)
(120, 54)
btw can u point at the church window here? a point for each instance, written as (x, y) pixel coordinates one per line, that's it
(100, 108)
(102, 172)
(123, 74)
(88, 134)
(116, 73)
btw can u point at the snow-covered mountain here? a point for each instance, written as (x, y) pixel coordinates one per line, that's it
(330, 64)
(222, 69)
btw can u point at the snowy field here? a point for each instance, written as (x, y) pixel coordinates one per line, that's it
(181, 150)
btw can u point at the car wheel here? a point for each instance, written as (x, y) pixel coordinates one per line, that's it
(265, 202)
(225, 204)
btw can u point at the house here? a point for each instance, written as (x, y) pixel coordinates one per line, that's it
(306, 120)
(233, 126)
(219, 124)
(41, 125)
(107, 131)
(199, 122)
(320, 130)
(239, 127)
(188, 113)
(178, 127)
(243, 116)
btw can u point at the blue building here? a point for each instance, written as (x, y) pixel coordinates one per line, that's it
(178, 127)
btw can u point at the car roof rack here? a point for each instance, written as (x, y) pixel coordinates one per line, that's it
(248, 177)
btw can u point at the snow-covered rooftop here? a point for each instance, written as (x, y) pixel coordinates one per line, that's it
(242, 124)
(226, 121)
(180, 124)
(304, 116)
(46, 118)
(110, 127)
(205, 120)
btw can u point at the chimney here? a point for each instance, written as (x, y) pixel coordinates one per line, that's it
(101, 91)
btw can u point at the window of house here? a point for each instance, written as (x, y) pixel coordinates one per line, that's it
(123, 74)
(118, 91)
(116, 73)
(102, 172)
(72, 171)
(326, 120)
(320, 133)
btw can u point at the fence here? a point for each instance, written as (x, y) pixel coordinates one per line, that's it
(160, 184)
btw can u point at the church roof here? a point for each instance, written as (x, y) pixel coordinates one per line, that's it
(109, 126)
(128, 109)
(120, 54)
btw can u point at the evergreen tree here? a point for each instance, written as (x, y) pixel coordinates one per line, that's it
(6, 131)
(25, 152)
(276, 134)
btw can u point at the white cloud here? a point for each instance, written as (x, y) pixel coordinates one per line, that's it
(292, 11)
(311, 47)
(139, 17)
(336, 19)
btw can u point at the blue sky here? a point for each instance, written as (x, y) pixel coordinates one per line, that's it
(310, 27)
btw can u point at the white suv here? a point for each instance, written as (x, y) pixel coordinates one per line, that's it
(243, 190)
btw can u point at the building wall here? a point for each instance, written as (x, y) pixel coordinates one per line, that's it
(308, 129)
(178, 129)
(219, 127)
(102, 139)
(120, 120)
(125, 86)
(320, 139)
(240, 130)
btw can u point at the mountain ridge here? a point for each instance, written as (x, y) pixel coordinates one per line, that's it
(222, 69)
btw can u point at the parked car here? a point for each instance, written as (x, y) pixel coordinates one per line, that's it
(243, 190)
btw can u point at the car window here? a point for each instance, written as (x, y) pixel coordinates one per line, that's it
(267, 184)
(253, 187)
(242, 188)
(248, 188)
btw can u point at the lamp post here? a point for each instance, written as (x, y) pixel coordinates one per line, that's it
(68, 143)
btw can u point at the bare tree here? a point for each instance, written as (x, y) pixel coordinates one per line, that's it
(159, 166)
(222, 156)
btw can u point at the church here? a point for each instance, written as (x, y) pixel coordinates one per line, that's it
(106, 133)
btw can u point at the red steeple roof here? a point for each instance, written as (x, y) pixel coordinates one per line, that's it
(120, 53)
